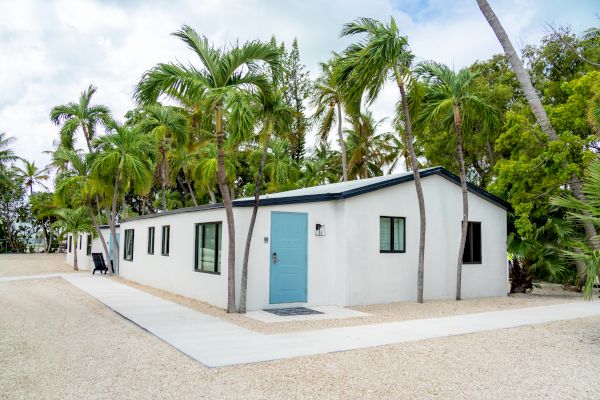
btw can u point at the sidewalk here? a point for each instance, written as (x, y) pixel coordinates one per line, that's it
(216, 343)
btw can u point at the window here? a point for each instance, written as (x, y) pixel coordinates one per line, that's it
(472, 254)
(392, 232)
(166, 235)
(88, 249)
(80, 240)
(70, 243)
(151, 240)
(208, 248)
(128, 253)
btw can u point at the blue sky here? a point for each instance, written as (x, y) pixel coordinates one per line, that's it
(51, 51)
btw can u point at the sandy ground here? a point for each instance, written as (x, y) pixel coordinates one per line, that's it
(33, 264)
(548, 294)
(56, 342)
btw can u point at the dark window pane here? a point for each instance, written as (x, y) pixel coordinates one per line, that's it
(385, 234)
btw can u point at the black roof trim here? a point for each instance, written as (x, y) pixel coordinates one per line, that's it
(177, 211)
(105, 226)
(372, 187)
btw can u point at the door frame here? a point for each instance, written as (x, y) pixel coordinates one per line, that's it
(271, 260)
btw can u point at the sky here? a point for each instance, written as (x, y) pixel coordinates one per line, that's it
(50, 51)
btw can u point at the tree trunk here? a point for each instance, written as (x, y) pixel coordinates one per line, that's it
(465, 198)
(86, 136)
(417, 176)
(143, 205)
(213, 198)
(191, 190)
(113, 218)
(342, 143)
(534, 102)
(163, 180)
(75, 252)
(223, 187)
(123, 207)
(259, 176)
(100, 235)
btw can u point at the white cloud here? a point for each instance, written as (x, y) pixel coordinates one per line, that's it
(52, 51)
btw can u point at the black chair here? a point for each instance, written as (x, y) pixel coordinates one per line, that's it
(99, 264)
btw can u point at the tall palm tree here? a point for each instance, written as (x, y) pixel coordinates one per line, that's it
(281, 169)
(74, 221)
(275, 117)
(205, 171)
(328, 103)
(168, 126)
(366, 65)
(535, 104)
(81, 115)
(126, 157)
(449, 102)
(223, 77)
(32, 175)
(77, 184)
(6, 153)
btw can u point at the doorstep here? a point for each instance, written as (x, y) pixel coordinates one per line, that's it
(322, 313)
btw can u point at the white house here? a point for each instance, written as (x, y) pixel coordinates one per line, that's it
(348, 243)
(84, 244)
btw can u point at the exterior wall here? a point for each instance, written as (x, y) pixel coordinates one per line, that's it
(374, 277)
(324, 286)
(69, 254)
(175, 272)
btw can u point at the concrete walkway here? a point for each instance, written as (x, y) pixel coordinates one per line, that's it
(216, 343)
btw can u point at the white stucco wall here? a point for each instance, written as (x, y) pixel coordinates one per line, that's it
(373, 277)
(345, 267)
(175, 272)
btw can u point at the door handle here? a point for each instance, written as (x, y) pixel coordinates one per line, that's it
(274, 257)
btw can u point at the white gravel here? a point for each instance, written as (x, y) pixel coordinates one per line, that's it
(58, 343)
(33, 264)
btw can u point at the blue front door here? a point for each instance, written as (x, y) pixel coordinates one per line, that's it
(288, 257)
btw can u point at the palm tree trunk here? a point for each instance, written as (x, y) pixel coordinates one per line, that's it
(420, 198)
(342, 143)
(223, 187)
(75, 252)
(258, 183)
(213, 198)
(113, 218)
(465, 199)
(191, 190)
(86, 136)
(534, 103)
(99, 232)
(123, 207)
(163, 180)
(143, 205)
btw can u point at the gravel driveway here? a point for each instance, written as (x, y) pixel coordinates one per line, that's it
(58, 343)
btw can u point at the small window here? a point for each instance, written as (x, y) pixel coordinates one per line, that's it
(70, 243)
(208, 248)
(151, 240)
(472, 254)
(392, 232)
(88, 249)
(166, 235)
(128, 253)
(80, 240)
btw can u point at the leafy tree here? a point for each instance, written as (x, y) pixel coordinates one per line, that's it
(222, 84)
(14, 210)
(366, 147)
(6, 153)
(43, 211)
(74, 221)
(81, 115)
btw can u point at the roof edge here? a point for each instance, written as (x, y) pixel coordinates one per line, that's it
(175, 212)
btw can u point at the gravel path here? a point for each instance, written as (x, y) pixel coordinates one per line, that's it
(379, 312)
(58, 343)
(33, 264)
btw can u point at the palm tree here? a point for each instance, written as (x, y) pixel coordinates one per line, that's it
(74, 221)
(184, 159)
(280, 168)
(81, 115)
(328, 103)
(449, 102)
(366, 66)
(77, 184)
(205, 171)
(6, 153)
(168, 126)
(224, 77)
(276, 117)
(126, 156)
(366, 147)
(535, 104)
(32, 175)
